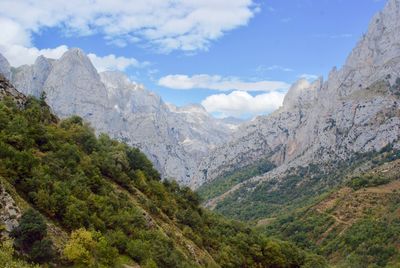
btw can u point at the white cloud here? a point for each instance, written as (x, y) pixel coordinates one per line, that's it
(112, 63)
(242, 104)
(216, 82)
(19, 55)
(12, 33)
(168, 25)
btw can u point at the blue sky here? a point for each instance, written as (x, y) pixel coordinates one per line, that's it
(243, 50)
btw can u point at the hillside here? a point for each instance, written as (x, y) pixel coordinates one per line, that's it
(104, 204)
(355, 225)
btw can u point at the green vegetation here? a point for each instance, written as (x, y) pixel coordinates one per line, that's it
(352, 227)
(369, 240)
(230, 179)
(359, 182)
(8, 259)
(112, 202)
(30, 237)
(300, 187)
(270, 198)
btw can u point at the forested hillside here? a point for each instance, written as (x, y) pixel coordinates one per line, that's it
(356, 224)
(102, 204)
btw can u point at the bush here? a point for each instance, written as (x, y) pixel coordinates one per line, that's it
(29, 237)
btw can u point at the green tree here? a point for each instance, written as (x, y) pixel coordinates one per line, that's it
(80, 247)
(29, 237)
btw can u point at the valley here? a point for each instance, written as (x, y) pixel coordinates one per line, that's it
(98, 171)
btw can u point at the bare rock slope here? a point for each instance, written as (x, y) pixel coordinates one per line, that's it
(356, 110)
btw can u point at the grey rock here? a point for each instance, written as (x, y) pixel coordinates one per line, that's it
(174, 139)
(355, 110)
(30, 80)
(5, 68)
(9, 212)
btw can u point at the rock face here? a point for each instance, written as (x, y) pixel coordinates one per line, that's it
(5, 68)
(8, 90)
(30, 79)
(175, 139)
(9, 212)
(356, 110)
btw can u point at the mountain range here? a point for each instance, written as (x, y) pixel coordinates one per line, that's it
(174, 138)
(356, 110)
(322, 171)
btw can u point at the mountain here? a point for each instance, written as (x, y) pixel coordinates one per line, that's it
(175, 139)
(70, 198)
(321, 124)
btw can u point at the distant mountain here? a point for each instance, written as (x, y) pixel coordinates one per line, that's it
(323, 123)
(175, 139)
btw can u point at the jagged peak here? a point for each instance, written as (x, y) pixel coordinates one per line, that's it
(42, 60)
(77, 61)
(75, 54)
(381, 42)
(75, 51)
(302, 91)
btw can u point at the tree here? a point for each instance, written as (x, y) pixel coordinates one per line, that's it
(80, 247)
(7, 257)
(89, 249)
(29, 237)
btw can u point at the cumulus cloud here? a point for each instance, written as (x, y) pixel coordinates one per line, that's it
(216, 82)
(19, 55)
(242, 104)
(166, 24)
(13, 33)
(112, 63)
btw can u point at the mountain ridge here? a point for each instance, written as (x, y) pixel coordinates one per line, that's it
(355, 110)
(173, 138)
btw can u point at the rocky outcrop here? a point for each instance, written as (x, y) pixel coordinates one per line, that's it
(30, 79)
(8, 90)
(5, 68)
(9, 212)
(356, 110)
(174, 139)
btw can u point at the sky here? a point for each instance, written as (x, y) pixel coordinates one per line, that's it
(235, 57)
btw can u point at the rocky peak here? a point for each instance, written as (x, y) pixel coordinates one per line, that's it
(355, 110)
(376, 55)
(75, 61)
(302, 93)
(30, 79)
